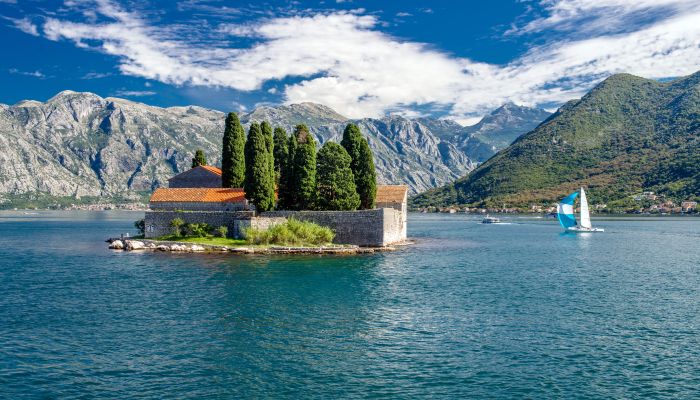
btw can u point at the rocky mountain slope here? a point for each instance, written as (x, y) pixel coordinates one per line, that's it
(626, 135)
(493, 133)
(498, 130)
(80, 144)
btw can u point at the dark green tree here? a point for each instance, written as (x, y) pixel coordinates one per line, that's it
(270, 143)
(232, 153)
(140, 224)
(304, 183)
(362, 165)
(280, 153)
(199, 158)
(259, 184)
(334, 180)
(287, 193)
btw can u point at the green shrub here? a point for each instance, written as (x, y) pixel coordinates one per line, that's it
(222, 231)
(198, 229)
(291, 233)
(177, 224)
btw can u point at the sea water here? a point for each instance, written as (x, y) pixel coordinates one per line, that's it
(469, 310)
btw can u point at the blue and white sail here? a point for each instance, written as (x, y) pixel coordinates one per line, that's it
(565, 211)
(585, 214)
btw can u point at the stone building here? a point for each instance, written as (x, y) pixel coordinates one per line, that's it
(216, 206)
(395, 197)
(392, 196)
(199, 199)
(204, 176)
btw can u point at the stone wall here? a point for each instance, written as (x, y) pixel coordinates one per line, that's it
(394, 226)
(261, 223)
(158, 222)
(378, 227)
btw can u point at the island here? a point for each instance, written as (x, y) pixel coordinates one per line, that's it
(276, 193)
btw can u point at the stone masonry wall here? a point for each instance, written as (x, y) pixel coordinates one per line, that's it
(158, 222)
(378, 227)
(394, 225)
(261, 223)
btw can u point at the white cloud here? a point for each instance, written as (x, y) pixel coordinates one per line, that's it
(343, 60)
(240, 107)
(603, 16)
(467, 121)
(25, 25)
(237, 30)
(35, 74)
(96, 75)
(134, 93)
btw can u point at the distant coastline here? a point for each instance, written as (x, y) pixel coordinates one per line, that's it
(84, 207)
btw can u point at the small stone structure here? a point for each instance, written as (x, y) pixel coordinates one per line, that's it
(203, 176)
(395, 197)
(382, 226)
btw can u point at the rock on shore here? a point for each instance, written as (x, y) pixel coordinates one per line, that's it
(131, 245)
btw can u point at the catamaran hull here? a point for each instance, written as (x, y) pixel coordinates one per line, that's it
(580, 229)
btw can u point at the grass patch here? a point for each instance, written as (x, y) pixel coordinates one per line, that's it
(212, 240)
(291, 233)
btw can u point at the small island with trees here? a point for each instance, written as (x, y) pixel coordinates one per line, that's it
(276, 192)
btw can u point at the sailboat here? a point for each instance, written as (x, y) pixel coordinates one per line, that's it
(567, 219)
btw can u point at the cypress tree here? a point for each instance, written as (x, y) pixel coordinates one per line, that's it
(334, 181)
(269, 142)
(199, 158)
(304, 183)
(280, 154)
(259, 186)
(287, 191)
(362, 165)
(366, 180)
(232, 153)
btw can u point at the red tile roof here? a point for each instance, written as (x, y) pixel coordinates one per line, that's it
(198, 195)
(391, 193)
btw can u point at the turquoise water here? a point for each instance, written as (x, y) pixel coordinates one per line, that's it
(471, 310)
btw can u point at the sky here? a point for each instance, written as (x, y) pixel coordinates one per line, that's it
(447, 59)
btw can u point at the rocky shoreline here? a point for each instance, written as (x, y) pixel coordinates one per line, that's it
(186, 247)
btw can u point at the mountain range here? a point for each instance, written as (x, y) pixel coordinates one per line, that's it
(81, 145)
(494, 132)
(627, 135)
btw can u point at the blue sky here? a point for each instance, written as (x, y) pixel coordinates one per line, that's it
(363, 58)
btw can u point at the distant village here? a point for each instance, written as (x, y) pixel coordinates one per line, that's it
(647, 203)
